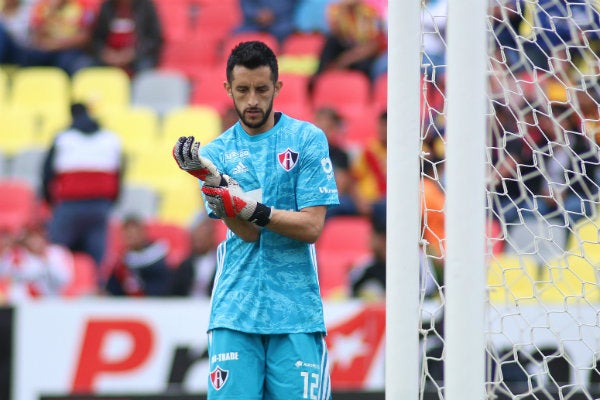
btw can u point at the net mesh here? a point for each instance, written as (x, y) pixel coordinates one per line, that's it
(542, 160)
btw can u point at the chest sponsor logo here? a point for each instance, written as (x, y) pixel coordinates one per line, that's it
(218, 377)
(288, 159)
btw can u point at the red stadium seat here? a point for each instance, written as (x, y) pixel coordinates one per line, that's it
(231, 41)
(190, 54)
(217, 18)
(208, 88)
(380, 92)
(293, 98)
(347, 91)
(343, 242)
(301, 44)
(176, 236)
(175, 18)
(84, 281)
(17, 204)
(360, 128)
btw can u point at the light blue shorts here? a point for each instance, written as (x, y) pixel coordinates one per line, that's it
(246, 366)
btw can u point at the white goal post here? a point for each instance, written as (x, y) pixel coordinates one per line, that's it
(509, 126)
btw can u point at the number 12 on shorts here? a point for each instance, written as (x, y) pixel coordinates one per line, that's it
(311, 385)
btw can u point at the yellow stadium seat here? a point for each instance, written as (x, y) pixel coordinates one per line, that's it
(203, 122)
(584, 240)
(137, 127)
(181, 203)
(570, 279)
(3, 88)
(18, 130)
(156, 169)
(511, 278)
(103, 89)
(45, 91)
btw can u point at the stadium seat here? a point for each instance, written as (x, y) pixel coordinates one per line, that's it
(85, 277)
(380, 92)
(345, 90)
(17, 204)
(27, 166)
(176, 236)
(103, 89)
(175, 18)
(180, 203)
(343, 242)
(584, 240)
(217, 18)
(569, 278)
(137, 127)
(202, 122)
(159, 90)
(293, 97)
(19, 131)
(512, 278)
(208, 88)
(232, 40)
(44, 91)
(360, 128)
(4, 87)
(303, 44)
(189, 54)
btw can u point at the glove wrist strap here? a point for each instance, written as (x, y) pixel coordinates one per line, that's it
(261, 216)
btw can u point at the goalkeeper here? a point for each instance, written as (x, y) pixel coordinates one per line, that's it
(270, 179)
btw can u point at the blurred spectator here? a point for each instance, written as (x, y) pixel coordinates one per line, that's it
(128, 35)
(81, 181)
(368, 277)
(331, 123)
(272, 16)
(14, 30)
(551, 24)
(142, 268)
(370, 166)
(311, 16)
(33, 267)
(60, 35)
(195, 275)
(357, 38)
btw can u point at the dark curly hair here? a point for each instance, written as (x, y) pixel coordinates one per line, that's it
(252, 55)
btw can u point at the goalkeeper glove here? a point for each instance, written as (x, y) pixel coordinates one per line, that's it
(187, 154)
(232, 202)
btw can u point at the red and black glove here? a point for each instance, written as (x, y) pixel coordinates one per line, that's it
(187, 154)
(232, 202)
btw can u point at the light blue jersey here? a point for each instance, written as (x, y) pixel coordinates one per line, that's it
(271, 286)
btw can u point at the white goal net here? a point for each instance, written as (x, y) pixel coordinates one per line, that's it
(542, 198)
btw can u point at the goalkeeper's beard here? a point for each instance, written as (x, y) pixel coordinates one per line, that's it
(255, 125)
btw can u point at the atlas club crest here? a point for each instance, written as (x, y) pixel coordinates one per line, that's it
(288, 159)
(218, 377)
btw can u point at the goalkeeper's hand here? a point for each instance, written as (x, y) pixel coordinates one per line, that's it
(232, 202)
(187, 154)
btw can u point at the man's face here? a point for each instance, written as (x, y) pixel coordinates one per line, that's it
(253, 91)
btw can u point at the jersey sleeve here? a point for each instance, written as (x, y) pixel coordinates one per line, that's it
(316, 182)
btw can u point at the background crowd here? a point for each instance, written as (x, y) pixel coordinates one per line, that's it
(134, 252)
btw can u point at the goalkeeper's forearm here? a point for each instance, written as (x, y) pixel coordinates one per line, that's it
(245, 230)
(305, 225)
